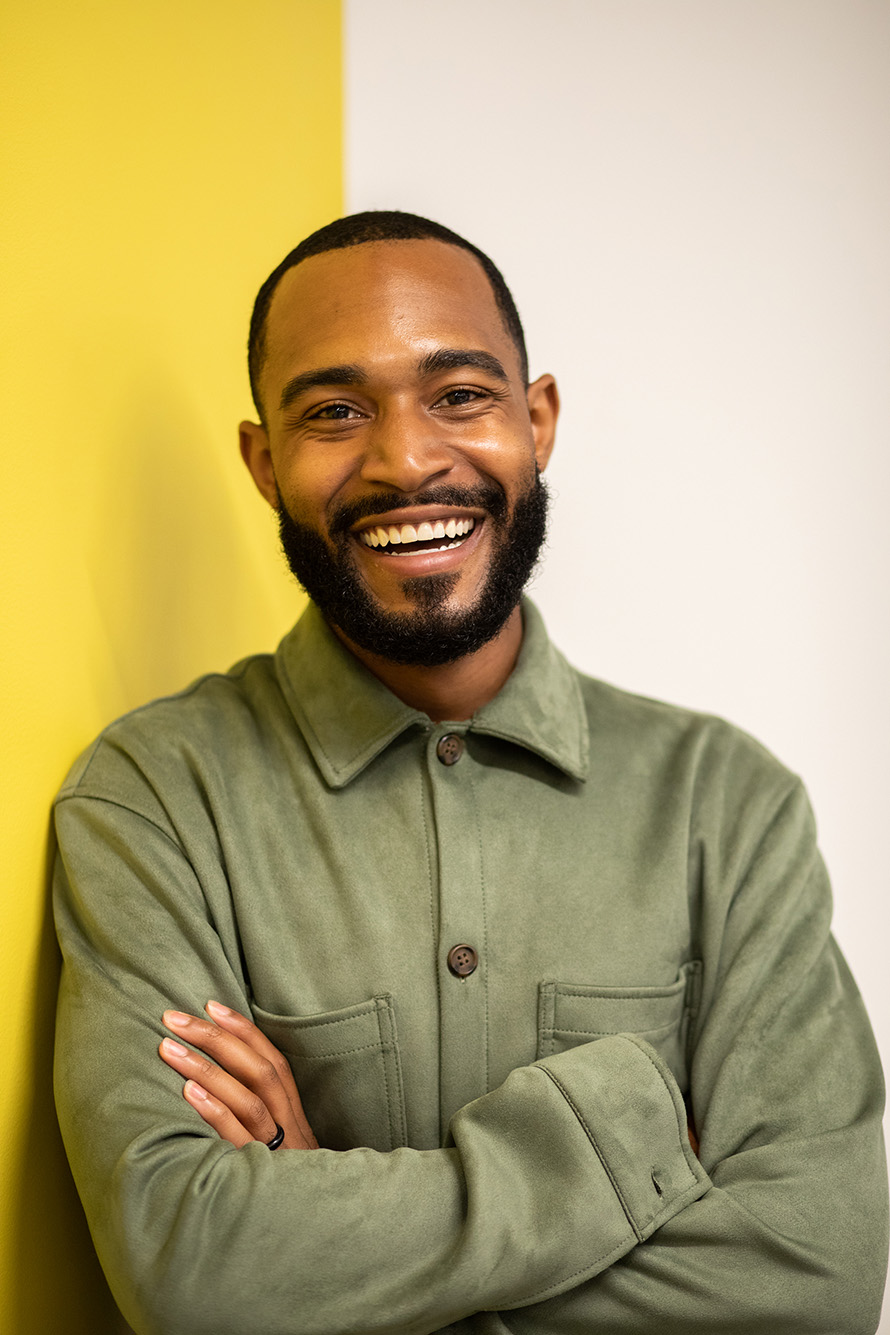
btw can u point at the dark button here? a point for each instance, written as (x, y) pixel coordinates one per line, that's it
(462, 961)
(450, 748)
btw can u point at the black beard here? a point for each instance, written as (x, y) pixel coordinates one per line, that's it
(430, 635)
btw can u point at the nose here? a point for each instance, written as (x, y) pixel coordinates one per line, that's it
(404, 451)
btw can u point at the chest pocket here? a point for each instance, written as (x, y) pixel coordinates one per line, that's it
(570, 1014)
(347, 1068)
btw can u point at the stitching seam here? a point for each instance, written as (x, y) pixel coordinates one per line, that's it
(590, 1136)
(680, 1133)
(367, 1009)
(605, 1033)
(484, 932)
(389, 1109)
(434, 930)
(76, 796)
(345, 1052)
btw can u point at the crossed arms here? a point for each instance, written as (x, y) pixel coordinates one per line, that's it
(565, 1200)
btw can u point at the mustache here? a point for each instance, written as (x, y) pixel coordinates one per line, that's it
(488, 497)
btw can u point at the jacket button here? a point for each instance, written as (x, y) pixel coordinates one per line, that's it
(450, 748)
(462, 961)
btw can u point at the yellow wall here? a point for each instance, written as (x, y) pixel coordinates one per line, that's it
(162, 156)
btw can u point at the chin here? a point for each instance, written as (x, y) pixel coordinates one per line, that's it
(437, 627)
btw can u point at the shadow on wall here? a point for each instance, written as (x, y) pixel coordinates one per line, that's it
(45, 1197)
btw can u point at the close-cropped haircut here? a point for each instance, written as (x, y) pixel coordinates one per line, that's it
(354, 230)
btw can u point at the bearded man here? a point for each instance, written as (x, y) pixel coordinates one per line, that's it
(414, 981)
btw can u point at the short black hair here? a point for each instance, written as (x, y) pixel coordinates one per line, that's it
(354, 230)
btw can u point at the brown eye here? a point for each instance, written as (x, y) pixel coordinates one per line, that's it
(456, 398)
(334, 412)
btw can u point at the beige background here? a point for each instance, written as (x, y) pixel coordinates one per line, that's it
(691, 201)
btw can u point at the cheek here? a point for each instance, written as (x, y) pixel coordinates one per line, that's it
(508, 457)
(310, 480)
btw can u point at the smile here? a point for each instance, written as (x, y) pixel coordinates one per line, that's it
(400, 540)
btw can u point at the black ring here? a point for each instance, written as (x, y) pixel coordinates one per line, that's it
(277, 1140)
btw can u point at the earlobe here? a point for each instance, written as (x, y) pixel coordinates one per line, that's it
(543, 409)
(254, 443)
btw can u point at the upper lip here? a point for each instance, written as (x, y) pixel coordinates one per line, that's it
(417, 514)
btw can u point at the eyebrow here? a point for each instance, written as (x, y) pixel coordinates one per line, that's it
(443, 359)
(452, 359)
(325, 375)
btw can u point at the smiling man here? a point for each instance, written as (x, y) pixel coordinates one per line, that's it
(414, 981)
(407, 484)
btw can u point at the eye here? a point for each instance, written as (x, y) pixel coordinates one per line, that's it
(333, 412)
(460, 396)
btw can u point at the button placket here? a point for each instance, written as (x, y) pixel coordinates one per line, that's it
(463, 1043)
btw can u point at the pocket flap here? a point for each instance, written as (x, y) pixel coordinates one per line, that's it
(348, 1071)
(573, 1013)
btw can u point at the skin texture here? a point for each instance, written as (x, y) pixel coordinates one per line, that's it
(384, 420)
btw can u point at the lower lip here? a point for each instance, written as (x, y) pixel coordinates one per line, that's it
(424, 563)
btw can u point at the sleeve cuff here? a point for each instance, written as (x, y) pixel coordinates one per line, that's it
(632, 1112)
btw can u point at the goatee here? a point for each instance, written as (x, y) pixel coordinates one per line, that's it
(431, 634)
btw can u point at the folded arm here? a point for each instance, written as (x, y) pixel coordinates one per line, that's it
(531, 1220)
(787, 1099)
(534, 1193)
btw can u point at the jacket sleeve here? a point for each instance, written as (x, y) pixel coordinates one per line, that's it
(545, 1182)
(787, 1096)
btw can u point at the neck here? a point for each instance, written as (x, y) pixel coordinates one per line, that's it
(453, 691)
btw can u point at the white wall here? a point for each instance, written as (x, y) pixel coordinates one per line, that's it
(691, 202)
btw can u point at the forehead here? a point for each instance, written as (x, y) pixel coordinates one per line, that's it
(379, 303)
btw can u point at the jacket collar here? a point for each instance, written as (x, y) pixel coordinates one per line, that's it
(348, 717)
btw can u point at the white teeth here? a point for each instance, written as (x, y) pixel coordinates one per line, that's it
(392, 536)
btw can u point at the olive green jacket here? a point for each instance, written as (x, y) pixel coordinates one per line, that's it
(505, 1151)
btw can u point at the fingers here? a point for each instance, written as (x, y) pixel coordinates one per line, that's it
(254, 1038)
(247, 1076)
(217, 1115)
(245, 1112)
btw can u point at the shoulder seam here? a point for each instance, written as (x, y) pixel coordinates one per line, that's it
(74, 795)
(235, 673)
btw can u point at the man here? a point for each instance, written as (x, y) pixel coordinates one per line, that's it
(518, 993)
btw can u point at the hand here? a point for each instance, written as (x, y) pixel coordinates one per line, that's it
(246, 1089)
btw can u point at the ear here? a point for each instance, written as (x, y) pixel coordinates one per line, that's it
(255, 451)
(543, 409)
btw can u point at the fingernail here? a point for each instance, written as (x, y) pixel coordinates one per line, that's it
(195, 1091)
(216, 1008)
(173, 1048)
(176, 1019)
